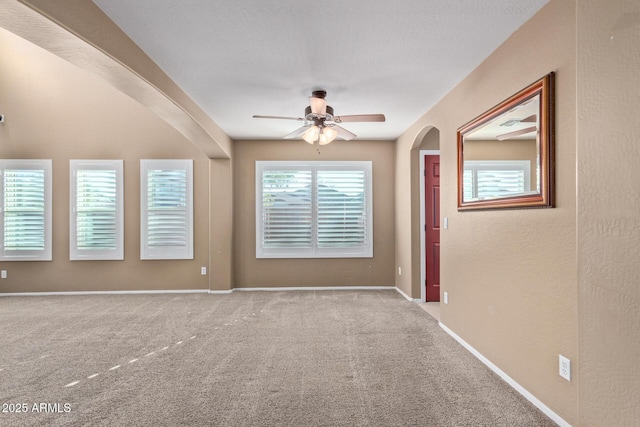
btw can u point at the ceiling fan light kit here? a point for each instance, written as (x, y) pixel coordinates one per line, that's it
(320, 125)
(322, 134)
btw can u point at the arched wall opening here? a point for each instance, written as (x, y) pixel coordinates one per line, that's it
(427, 142)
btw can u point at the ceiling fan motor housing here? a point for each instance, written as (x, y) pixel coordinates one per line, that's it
(322, 94)
(311, 116)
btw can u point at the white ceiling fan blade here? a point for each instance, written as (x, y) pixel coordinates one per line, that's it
(296, 133)
(343, 133)
(360, 118)
(515, 133)
(318, 105)
(278, 117)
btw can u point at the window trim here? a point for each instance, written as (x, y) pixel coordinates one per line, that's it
(314, 252)
(39, 255)
(167, 252)
(76, 254)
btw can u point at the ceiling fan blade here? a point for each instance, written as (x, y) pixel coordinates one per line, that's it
(531, 119)
(515, 133)
(278, 117)
(296, 133)
(343, 133)
(318, 105)
(360, 118)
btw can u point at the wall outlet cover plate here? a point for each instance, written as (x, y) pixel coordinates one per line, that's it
(565, 368)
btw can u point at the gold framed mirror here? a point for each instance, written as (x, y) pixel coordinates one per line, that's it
(506, 155)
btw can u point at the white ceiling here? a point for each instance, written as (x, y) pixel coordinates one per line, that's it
(236, 58)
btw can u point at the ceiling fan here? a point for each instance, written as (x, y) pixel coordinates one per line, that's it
(531, 119)
(320, 125)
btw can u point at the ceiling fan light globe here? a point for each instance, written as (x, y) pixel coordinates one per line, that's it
(329, 134)
(311, 134)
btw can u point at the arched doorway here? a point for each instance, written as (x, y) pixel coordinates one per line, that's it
(425, 164)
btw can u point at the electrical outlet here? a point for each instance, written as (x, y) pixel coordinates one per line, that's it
(446, 297)
(203, 271)
(565, 368)
(3, 274)
(399, 271)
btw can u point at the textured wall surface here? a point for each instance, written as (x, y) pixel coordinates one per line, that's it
(511, 275)
(609, 212)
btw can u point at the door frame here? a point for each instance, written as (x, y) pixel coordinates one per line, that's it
(423, 252)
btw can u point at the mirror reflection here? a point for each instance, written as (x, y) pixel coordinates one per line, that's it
(501, 157)
(504, 155)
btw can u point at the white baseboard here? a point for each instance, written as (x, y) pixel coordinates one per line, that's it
(203, 291)
(527, 395)
(42, 294)
(315, 288)
(208, 291)
(407, 296)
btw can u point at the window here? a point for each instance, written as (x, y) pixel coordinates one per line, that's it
(166, 208)
(96, 220)
(496, 178)
(314, 210)
(26, 210)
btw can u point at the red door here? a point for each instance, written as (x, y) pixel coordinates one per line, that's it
(432, 229)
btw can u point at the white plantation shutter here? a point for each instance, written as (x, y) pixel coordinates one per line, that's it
(26, 210)
(342, 209)
(286, 209)
(96, 225)
(499, 178)
(502, 183)
(166, 209)
(313, 209)
(468, 184)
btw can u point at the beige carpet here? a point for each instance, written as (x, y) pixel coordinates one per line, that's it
(304, 358)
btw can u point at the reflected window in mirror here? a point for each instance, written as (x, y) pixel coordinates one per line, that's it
(493, 179)
(505, 156)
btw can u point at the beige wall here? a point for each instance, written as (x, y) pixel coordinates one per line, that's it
(511, 274)
(498, 150)
(221, 228)
(54, 110)
(609, 212)
(252, 272)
